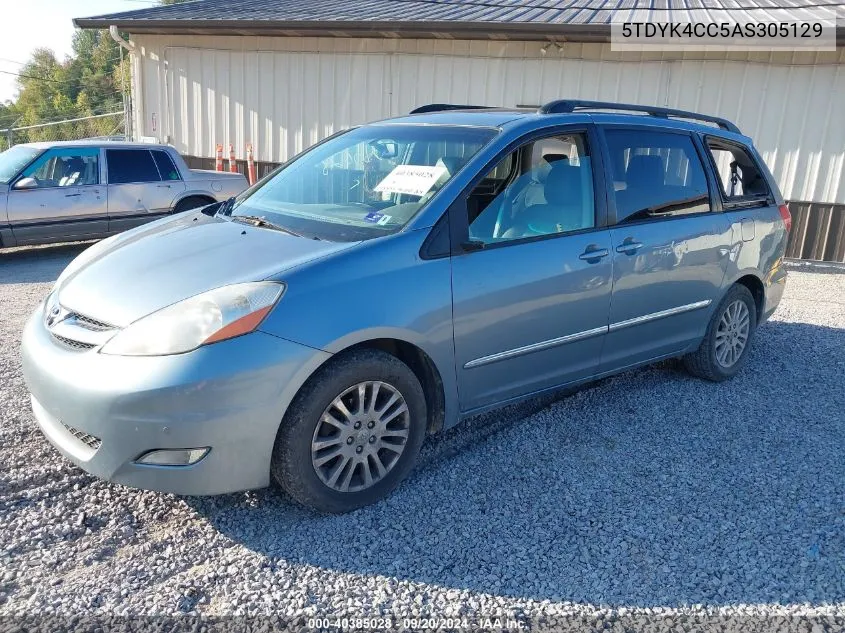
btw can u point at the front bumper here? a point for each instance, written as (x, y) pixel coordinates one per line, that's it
(103, 412)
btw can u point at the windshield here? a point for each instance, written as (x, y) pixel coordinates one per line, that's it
(364, 183)
(15, 159)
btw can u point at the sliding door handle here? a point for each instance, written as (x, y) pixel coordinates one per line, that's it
(593, 254)
(629, 247)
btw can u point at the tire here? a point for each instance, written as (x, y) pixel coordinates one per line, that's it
(191, 202)
(305, 438)
(708, 360)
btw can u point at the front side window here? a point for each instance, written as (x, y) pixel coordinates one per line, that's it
(65, 167)
(13, 160)
(549, 192)
(131, 166)
(364, 183)
(655, 175)
(739, 175)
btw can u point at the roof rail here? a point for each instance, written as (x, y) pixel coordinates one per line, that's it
(571, 105)
(440, 107)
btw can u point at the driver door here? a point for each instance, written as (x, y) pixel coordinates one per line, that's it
(531, 281)
(59, 198)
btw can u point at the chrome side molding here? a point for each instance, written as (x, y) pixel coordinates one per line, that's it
(580, 336)
(535, 347)
(659, 315)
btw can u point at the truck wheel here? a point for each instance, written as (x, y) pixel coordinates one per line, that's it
(352, 433)
(724, 349)
(191, 202)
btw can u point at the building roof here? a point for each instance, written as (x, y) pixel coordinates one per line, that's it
(582, 20)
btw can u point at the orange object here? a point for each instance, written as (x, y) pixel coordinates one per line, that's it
(250, 165)
(219, 163)
(233, 163)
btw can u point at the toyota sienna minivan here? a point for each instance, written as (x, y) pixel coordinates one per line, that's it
(397, 278)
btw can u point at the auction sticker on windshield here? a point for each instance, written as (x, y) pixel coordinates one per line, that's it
(415, 180)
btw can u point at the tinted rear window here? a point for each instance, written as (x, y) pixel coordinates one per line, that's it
(165, 165)
(131, 165)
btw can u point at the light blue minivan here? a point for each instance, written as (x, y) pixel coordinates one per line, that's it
(399, 277)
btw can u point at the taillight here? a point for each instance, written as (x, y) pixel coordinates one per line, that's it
(787, 217)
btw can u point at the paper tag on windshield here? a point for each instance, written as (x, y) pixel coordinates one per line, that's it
(415, 180)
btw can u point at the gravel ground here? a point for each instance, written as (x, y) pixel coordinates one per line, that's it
(650, 495)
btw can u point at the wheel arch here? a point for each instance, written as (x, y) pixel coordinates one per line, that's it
(424, 369)
(204, 195)
(758, 291)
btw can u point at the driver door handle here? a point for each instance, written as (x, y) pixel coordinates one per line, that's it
(593, 254)
(72, 195)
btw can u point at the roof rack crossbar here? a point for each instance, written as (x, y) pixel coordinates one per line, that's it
(441, 107)
(571, 105)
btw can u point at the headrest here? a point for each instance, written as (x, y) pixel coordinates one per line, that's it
(563, 184)
(645, 171)
(553, 158)
(452, 164)
(74, 164)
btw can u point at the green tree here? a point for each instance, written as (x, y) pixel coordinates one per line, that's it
(89, 81)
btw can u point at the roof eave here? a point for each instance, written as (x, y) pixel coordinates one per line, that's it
(427, 29)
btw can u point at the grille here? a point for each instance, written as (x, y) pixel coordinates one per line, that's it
(92, 324)
(70, 344)
(89, 440)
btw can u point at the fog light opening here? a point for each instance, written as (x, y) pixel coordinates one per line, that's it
(173, 456)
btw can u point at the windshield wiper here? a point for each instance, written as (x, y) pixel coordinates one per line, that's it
(256, 220)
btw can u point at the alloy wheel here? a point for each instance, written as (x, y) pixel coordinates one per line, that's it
(360, 436)
(732, 333)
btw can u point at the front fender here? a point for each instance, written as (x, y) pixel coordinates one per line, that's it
(380, 289)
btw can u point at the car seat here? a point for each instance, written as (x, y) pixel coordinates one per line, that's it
(563, 210)
(73, 170)
(645, 179)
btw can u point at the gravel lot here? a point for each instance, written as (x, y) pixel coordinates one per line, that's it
(650, 495)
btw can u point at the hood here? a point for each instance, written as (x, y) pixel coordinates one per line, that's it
(133, 274)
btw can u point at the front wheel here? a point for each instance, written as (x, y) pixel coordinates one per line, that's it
(352, 433)
(724, 349)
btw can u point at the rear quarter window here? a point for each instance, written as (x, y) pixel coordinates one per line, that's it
(165, 165)
(740, 177)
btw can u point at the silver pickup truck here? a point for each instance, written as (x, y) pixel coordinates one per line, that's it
(79, 190)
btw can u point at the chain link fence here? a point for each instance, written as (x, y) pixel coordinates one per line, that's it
(102, 126)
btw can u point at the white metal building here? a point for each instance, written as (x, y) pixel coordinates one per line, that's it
(283, 74)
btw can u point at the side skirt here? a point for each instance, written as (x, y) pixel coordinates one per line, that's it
(574, 384)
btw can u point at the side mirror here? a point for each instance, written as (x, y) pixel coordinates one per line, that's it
(26, 183)
(211, 209)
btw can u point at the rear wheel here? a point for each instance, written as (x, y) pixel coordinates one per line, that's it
(724, 349)
(352, 433)
(192, 202)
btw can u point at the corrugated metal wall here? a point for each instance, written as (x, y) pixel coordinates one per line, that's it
(283, 94)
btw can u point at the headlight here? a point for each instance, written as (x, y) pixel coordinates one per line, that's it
(213, 316)
(51, 303)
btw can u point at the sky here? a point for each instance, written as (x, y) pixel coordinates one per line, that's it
(30, 24)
